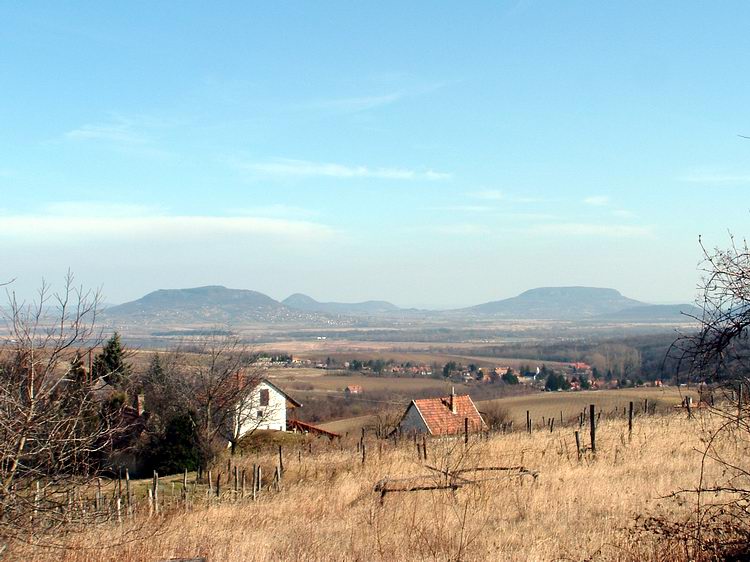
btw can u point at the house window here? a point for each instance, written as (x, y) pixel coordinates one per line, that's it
(264, 397)
(259, 414)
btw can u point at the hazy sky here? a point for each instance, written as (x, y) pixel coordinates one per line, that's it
(428, 153)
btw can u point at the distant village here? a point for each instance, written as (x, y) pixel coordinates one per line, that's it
(575, 376)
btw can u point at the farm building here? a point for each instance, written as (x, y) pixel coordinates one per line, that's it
(353, 389)
(265, 407)
(441, 416)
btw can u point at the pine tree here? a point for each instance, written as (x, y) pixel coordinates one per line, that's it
(77, 370)
(110, 364)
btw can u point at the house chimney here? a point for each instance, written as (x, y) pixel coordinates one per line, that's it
(140, 401)
(453, 401)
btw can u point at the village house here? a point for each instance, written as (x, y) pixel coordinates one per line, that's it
(265, 408)
(353, 389)
(441, 416)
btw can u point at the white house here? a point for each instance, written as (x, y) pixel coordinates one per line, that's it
(263, 408)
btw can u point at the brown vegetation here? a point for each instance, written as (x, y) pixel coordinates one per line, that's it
(593, 508)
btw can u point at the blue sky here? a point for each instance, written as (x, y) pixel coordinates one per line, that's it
(431, 154)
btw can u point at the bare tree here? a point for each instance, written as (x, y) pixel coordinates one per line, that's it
(221, 378)
(53, 434)
(717, 356)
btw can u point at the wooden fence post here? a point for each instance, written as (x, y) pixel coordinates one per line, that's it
(551, 424)
(98, 497)
(281, 460)
(528, 421)
(578, 445)
(466, 431)
(128, 501)
(156, 492)
(363, 452)
(739, 404)
(593, 428)
(630, 421)
(424, 447)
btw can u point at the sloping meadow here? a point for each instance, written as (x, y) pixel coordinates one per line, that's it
(543, 501)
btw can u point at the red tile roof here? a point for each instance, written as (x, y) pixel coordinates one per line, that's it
(440, 420)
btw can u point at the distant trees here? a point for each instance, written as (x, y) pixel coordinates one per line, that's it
(449, 368)
(553, 380)
(509, 377)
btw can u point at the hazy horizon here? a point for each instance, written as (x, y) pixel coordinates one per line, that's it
(423, 154)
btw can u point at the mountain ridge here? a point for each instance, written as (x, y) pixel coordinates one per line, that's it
(306, 303)
(216, 304)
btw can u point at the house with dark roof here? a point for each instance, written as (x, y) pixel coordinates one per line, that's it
(441, 416)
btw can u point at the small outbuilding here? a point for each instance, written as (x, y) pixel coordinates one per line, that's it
(441, 416)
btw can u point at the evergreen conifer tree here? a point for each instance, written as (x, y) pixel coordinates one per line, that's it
(110, 364)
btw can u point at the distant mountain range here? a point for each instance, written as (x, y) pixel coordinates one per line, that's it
(203, 305)
(557, 303)
(308, 304)
(220, 305)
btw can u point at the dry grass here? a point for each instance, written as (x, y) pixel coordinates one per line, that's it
(327, 510)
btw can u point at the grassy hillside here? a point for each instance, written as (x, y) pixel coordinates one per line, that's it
(327, 510)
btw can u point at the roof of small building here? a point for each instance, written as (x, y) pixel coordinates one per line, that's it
(441, 420)
(354, 388)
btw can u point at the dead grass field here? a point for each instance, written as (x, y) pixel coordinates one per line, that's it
(327, 510)
(543, 405)
(338, 380)
(550, 404)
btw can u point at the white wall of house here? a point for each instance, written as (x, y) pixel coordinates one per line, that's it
(412, 421)
(252, 414)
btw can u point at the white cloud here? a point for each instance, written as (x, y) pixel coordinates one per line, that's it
(288, 168)
(463, 208)
(591, 229)
(716, 178)
(469, 229)
(623, 214)
(490, 195)
(597, 201)
(277, 210)
(128, 135)
(355, 104)
(497, 195)
(76, 222)
(121, 131)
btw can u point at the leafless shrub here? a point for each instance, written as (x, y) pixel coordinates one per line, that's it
(718, 356)
(54, 435)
